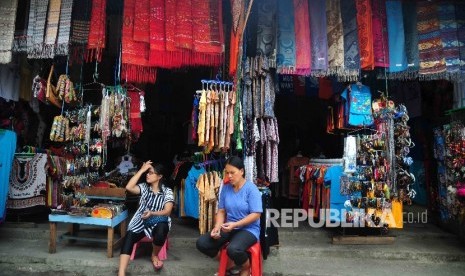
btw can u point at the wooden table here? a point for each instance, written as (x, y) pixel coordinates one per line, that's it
(73, 229)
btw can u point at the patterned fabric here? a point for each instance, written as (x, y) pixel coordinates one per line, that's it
(285, 58)
(80, 19)
(183, 25)
(53, 19)
(28, 176)
(335, 36)
(22, 15)
(432, 62)
(396, 38)
(97, 30)
(460, 18)
(365, 34)
(448, 27)
(319, 40)
(7, 21)
(302, 38)
(142, 21)
(351, 47)
(409, 10)
(380, 34)
(64, 28)
(36, 28)
(266, 40)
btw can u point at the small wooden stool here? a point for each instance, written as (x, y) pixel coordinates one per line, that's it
(162, 255)
(255, 260)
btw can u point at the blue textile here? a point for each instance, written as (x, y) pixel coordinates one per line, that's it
(359, 105)
(7, 152)
(396, 37)
(285, 58)
(191, 193)
(336, 200)
(240, 204)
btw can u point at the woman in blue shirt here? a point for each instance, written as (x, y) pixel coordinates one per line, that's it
(237, 220)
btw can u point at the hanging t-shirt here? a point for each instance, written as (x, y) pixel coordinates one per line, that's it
(359, 101)
(333, 177)
(191, 193)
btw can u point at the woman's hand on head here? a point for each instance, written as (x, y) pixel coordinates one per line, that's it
(146, 166)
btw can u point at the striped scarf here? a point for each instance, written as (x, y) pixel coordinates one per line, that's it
(335, 35)
(7, 21)
(64, 28)
(319, 40)
(285, 59)
(460, 16)
(396, 36)
(53, 19)
(351, 48)
(80, 21)
(409, 11)
(36, 28)
(380, 35)
(432, 62)
(97, 30)
(365, 34)
(448, 27)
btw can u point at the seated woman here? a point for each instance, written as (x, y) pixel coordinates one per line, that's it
(152, 216)
(237, 220)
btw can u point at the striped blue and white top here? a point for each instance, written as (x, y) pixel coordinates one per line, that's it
(151, 201)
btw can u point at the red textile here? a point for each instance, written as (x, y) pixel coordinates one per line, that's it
(184, 34)
(142, 21)
(365, 34)
(325, 91)
(134, 115)
(97, 31)
(380, 34)
(302, 37)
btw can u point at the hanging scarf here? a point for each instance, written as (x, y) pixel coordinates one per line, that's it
(53, 19)
(157, 32)
(302, 37)
(36, 28)
(184, 31)
(250, 33)
(135, 55)
(448, 27)
(80, 21)
(142, 21)
(266, 40)
(409, 10)
(460, 18)
(285, 59)
(380, 35)
(20, 37)
(7, 21)
(351, 48)
(335, 36)
(432, 62)
(236, 33)
(365, 34)
(319, 40)
(97, 30)
(396, 36)
(64, 28)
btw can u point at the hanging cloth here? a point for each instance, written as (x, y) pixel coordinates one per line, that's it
(460, 19)
(448, 27)
(432, 62)
(135, 114)
(184, 27)
(335, 36)
(365, 34)
(396, 38)
(80, 22)
(51, 33)
(380, 34)
(319, 40)
(351, 48)
(64, 28)
(285, 58)
(36, 28)
(157, 32)
(97, 30)
(142, 21)
(266, 40)
(7, 150)
(7, 21)
(20, 36)
(302, 38)
(409, 11)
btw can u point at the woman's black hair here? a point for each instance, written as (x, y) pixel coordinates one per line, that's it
(235, 161)
(160, 170)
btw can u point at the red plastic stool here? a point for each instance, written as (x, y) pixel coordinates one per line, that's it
(162, 255)
(255, 260)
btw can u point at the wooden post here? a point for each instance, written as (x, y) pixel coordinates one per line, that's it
(52, 244)
(110, 242)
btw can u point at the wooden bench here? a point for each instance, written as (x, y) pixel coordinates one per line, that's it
(73, 229)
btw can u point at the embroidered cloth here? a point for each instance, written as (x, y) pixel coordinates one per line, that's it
(302, 38)
(409, 10)
(7, 21)
(28, 176)
(448, 27)
(365, 34)
(335, 36)
(351, 48)
(53, 18)
(319, 40)
(266, 40)
(80, 22)
(380, 34)
(64, 28)
(285, 59)
(36, 28)
(97, 30)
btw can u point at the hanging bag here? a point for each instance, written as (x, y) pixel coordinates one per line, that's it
(51, 93)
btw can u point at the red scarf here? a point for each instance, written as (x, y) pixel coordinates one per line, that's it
(365, 34)
(302, 37)
(142, 21)
(380, 35)
(96, 42)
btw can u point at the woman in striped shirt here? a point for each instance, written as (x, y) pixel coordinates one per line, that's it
(152, 216)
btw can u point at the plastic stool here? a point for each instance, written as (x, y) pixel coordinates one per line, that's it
(255, 260)
(162, 255)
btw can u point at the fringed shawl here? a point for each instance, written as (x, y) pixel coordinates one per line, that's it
(285, 59)
(460, 17)
(335, 36)
(351, 48)
(184, 25)
(380, 35)
(319, 40)
(448, 27)
(97, 30)
(266, 40)
(7, 31)
(365, 34)
(135, 54)
(409, 10)
(22, 15)
(64, 27)
(142, 21)
(80, 21)
(396, 36)
(302, 37)
(51, 33)
(36, 28)
(432, 62)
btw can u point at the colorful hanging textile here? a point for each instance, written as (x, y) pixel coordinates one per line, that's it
(448, 27)
(432, 62)
(285, 59)
(157, 32)
(142, 21)
(460, 19)
(266, 40)
(396, 36)
(20, 37)
(36, 28)
(351, 48)
(97, 30)
(365, 34)
(80, 21)
(28, 176)
(183, 25)
(409, 11)
(53, 19)
(7, 21)
(302, 38)
(335, 36)
(319, 40)
(380, 34)
(135, 55)
(64, 27)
